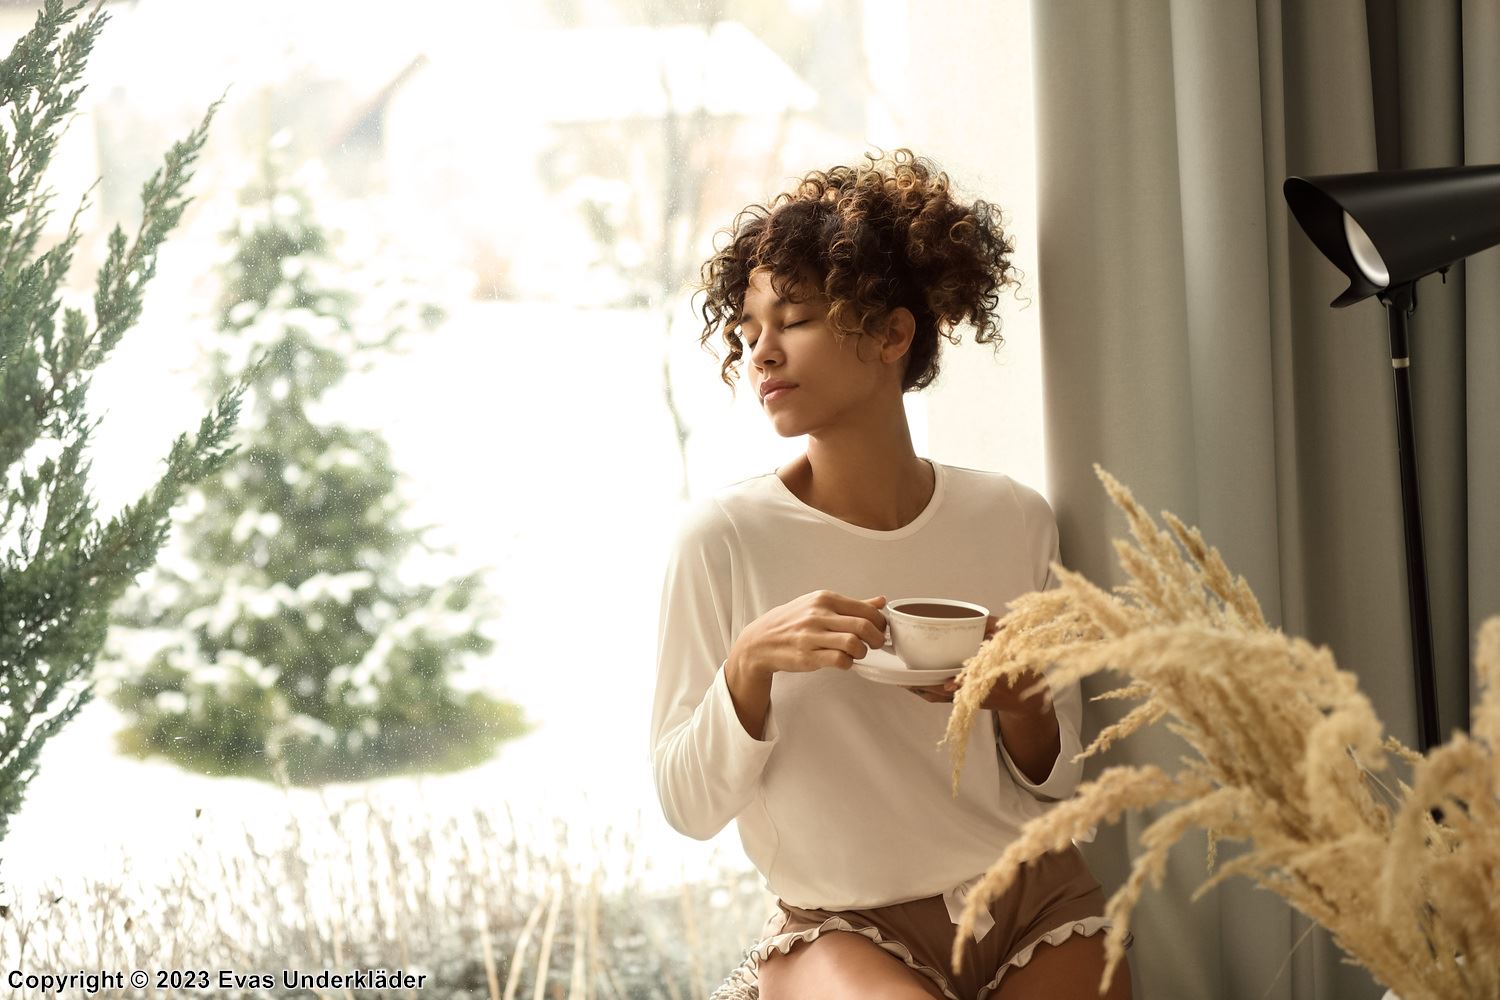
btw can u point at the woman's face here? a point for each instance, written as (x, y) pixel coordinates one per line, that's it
(788, 341)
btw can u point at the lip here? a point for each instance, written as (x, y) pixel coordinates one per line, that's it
(773, 386)
(780, 390)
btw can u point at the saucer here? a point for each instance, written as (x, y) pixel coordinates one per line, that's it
(883, 666)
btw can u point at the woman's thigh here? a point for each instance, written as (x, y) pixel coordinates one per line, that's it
(841, 965)
(1070, 970)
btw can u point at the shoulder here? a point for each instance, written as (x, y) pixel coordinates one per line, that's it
(710, 518)
(999, 487)
(1038, 510)
(703, 521)
(962, 479)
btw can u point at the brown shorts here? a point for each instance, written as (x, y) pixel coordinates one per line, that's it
(1054, 898)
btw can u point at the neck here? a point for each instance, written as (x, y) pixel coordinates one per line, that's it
(879, 485)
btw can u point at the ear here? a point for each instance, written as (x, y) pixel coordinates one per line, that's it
(900, 328)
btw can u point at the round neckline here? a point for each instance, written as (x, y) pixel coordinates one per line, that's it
(939, 479)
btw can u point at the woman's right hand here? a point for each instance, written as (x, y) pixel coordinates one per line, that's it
(816, 630)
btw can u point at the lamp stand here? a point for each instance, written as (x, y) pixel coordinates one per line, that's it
(1399, 303)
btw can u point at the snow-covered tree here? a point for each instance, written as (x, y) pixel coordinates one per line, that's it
(294, 648)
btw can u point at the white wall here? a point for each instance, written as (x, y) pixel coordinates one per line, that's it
(970, 77)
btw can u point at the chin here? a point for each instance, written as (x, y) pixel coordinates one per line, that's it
(784, 426)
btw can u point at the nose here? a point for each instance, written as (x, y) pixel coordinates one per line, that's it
(762, 348)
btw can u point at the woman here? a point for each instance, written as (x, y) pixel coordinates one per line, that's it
(839, 290)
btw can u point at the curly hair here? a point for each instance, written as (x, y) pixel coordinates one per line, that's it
(872, 240)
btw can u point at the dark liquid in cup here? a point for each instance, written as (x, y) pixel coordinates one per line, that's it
(937, 610)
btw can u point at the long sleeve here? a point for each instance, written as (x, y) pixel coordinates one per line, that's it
(1067, 702)
(707, 767)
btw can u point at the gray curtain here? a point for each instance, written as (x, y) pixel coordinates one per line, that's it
(1189, 348)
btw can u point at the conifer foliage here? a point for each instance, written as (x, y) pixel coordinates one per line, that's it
(60, 570)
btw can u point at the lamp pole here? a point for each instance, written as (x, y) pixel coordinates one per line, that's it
(1399, 303)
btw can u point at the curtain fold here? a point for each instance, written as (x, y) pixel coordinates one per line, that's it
(1188, 347)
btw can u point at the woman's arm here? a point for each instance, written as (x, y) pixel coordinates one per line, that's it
(1031, 736)
(751, 691)
(706, 762)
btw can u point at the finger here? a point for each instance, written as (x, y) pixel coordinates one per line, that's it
(871, 633)
(867, 610)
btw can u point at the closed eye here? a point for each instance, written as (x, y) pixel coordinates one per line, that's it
(751, 343)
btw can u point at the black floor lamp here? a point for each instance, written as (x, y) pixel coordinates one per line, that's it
(1386, 230)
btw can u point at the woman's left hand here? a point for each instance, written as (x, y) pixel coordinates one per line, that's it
(1002, 697)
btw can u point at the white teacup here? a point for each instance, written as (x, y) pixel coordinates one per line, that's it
(935, 633)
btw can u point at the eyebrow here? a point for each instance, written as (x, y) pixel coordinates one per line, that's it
(777, 304)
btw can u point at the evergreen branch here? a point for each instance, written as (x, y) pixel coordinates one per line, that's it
(32, 82)
(61, 258)
(18, 764)
(57, 592)
(117, 303)
(55, 610)
(69, 509)
(32, 85)
(21, 319)
(112, 557)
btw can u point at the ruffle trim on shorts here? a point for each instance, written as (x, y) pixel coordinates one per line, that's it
(1088, 927)
(742, 983)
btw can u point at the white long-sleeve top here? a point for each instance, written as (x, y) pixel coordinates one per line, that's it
(846, 802)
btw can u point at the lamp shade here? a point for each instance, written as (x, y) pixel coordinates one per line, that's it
(1387, 228)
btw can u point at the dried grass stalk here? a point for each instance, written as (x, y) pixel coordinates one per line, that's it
(513, 977)
(1289, 753)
